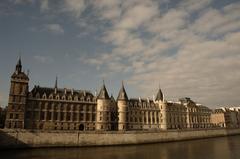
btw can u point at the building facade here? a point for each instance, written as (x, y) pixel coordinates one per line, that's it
(226, 118)
(69, 109)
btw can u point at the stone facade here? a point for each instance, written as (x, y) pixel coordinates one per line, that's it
(69, 109)
(226, 118)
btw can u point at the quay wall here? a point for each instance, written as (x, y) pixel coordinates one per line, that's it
(30, 139)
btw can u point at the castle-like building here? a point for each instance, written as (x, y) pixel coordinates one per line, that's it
(69, 109)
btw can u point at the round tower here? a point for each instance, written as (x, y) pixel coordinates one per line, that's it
(163, 109)
(103, 114)
(122, 104)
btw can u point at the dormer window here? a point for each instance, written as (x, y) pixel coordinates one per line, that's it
(37, 95)
(44, 96)
(76, 98)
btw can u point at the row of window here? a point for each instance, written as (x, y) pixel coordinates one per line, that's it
(67, 107)
(61, 116)
(145, 120)
(71, 98)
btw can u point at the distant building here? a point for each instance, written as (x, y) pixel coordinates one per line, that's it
(226, 118)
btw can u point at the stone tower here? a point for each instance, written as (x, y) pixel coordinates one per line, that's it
(122, 103)
(103, 121)
(17, 98)
(163, 109)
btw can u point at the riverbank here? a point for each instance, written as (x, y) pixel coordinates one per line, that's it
(36, 139)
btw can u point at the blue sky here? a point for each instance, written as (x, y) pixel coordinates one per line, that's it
(190, 47)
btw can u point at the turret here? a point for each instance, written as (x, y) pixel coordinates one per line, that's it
(103, 110)
(122, 103)
(163, 109)
(17, 98)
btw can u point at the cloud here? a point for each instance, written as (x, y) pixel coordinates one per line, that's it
(54, 28)
(43, 59)
(74, 7)
(22, 1)
(44, 5)
(215, 22)
(192, 48)
(193, 5)
(171, 47)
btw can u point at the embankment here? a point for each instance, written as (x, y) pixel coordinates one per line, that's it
(27, 138)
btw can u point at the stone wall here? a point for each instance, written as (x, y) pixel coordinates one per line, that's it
(24, 138)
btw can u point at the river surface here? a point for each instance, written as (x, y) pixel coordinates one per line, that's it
(214, 148)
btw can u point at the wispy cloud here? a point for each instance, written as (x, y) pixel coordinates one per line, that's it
(54, 28)
(74, 7)
(22, 1)
(44, 5)
(190, 47)
(179, 51)
(43, 59)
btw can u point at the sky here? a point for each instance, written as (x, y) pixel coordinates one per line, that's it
(189, 48)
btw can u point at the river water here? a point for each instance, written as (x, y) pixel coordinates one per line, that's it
(214, 148)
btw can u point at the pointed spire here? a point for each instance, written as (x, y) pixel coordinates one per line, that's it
(159, 96)
(103, 94)
(122, 95)
(19, 65)
(56, 82)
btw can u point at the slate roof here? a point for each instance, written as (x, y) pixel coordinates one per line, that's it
(60, 91)
(122, 95)
(103, 94)
(159, 95)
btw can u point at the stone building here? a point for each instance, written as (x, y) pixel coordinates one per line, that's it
(176, 115)
(57, 108)
(225, 117)
(69, 109)
(198, 116)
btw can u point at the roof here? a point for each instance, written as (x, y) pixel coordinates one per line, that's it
(159, 95)
(103, 94)
(60, 91)
(122, 95)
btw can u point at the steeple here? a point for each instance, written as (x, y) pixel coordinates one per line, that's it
(159, 96)
(122, 95)
(56, 82)
(103, 94)
(55, 87)
(19, 66)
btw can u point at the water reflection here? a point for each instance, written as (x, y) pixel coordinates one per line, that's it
(216, 148)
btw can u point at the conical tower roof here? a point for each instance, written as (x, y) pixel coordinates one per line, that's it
(159, 96)
(103, 94)
(19, 66)
(122, 95)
